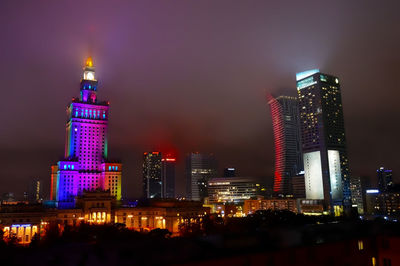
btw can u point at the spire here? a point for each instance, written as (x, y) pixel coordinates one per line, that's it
(89, 62)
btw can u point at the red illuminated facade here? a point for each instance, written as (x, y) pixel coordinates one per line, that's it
(288, 162)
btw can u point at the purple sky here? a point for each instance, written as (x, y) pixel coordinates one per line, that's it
(192, 76)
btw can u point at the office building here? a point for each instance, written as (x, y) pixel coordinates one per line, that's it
(168, 176)
(35, 190)
(231, 190)
(85, 166)
(356, 189)
(200, 168)
(288, 157)
(326, 169)
(152, 182)
(385, 181)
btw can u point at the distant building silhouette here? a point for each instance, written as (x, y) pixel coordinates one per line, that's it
(168, 176)
(229, 172)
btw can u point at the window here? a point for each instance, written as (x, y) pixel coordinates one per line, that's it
(360, 245)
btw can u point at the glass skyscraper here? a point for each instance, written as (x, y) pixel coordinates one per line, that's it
(285, 125)
(323, 137)
(152, 181)
(200, 168)
(168, 176)
(85, 166)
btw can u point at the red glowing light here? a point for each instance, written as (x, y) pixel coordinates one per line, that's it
(279, 141)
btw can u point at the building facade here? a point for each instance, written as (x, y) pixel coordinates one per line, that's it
(252, 205)
(23, 221)
(285, 125)
(231, 189)
(35, 190)
(152, 182)
(200, 168)
(85, 166)
(326, 168)
(298, 188)
(356, 189)
(385, 179)
(168, 176)
(383, 203)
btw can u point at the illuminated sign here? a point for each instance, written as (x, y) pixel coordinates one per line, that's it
(305, 83)
(372, 191)
(305, 74)
(335, 174)
(21, 225)
(313, 175)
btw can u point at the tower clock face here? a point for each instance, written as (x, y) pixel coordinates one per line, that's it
(90, 76)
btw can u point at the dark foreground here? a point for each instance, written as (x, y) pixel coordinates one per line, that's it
(267, 238)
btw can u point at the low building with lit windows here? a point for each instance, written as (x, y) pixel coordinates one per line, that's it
(166, 214)
(232, 189)
(23, 221)
(308, 207)
(251, 206)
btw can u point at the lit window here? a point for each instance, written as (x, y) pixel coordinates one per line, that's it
(360, 245)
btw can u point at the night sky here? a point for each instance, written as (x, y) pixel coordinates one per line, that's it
(187, 76)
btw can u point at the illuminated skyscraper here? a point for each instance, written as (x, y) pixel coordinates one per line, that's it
(288, 157)
(200, 168)
(152, 182)
(326, 169)
(85, 165)
(168, 176)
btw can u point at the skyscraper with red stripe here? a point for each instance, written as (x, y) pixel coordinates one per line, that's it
(287, 144)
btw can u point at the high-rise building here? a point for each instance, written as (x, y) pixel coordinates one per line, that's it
(200, 168)
(85, 166)
(356, 189)
(326, 169)
(385, 181)
(288, 157)
(229, 172)
(168, 176)
(35, 190)
(152, 182)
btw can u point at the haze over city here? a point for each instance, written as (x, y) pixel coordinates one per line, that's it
(192, 76)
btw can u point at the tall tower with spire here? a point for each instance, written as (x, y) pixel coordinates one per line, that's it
(85, 166)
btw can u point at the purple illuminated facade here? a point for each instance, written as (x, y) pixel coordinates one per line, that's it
(85, 166)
